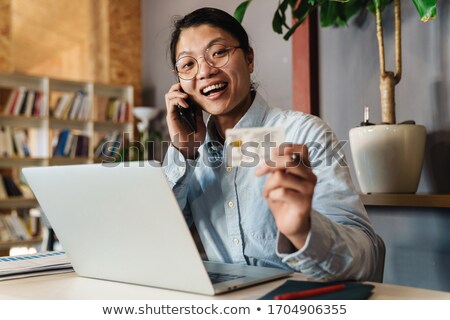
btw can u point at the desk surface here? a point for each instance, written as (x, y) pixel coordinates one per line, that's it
(71, 286)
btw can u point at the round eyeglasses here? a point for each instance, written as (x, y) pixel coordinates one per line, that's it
(216, 56)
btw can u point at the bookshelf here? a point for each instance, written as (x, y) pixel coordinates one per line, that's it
(46, 121)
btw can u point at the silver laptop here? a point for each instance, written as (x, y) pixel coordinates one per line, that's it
(121, 222)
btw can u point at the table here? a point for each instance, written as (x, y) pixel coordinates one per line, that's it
(71, 286)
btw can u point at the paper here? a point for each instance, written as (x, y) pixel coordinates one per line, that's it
(12, 267)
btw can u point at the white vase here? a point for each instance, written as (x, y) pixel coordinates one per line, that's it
(388, 158)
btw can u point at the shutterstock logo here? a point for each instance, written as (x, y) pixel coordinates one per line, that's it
(214, 154)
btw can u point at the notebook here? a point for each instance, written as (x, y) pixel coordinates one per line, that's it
(121, 222)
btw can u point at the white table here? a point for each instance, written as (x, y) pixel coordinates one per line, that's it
(71, 286)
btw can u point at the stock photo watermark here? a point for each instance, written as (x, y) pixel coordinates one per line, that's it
(214, 154)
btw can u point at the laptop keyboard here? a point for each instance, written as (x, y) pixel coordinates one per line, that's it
(222, 277)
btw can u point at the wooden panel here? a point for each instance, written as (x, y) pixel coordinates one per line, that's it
(125, 44)
(407, 200)
(305, 69)
(5, 36)
(80, 40)
(51, 38)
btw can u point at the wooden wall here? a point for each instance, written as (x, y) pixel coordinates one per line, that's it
(85, 40)
(5, 36)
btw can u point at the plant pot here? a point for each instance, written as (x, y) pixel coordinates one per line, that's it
(388, 158)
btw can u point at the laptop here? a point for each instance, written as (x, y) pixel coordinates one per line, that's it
(122, 222)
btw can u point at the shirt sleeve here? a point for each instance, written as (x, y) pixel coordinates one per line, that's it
(341, 243)
(179, 171)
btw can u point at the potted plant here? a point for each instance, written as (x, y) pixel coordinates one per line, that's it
(388, 156)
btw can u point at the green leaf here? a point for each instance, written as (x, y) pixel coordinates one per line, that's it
(277, 22)
(240, 10)
(426, 9)
(300, 15)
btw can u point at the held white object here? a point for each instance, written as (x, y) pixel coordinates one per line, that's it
(388, 158)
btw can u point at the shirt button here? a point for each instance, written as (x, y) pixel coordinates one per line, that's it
(181, 169)
(236, 241)
(230, 204)
(229, 169)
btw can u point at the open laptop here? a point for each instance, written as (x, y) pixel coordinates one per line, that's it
(121, 222)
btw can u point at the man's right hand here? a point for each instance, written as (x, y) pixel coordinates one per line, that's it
(182, 139)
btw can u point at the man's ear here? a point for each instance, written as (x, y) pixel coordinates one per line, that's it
(250, 59)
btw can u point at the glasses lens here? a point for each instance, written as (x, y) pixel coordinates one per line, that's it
(186, 68)
(217, 55)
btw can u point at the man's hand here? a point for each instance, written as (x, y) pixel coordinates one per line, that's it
(289, 191)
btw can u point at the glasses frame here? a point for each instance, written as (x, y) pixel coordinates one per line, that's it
(229, 50)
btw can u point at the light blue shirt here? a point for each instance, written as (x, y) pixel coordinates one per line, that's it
(235, 223)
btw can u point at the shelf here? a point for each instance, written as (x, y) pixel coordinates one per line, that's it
(407, 200)
(68, 124)
(20, 243)
(58, 161)
(22, 121)
(17, 162)
(111, 126)
(18, 203)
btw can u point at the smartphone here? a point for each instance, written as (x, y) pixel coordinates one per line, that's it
(188, 115)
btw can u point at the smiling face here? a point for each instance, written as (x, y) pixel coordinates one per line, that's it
(222, 92)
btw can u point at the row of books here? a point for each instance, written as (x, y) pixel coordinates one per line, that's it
(112, 147)
(12, 228)
(71, 144)
(117, 110)
(13, 142)
(73, 106)
(25, 102)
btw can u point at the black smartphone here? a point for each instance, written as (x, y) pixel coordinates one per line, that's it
(188, 114)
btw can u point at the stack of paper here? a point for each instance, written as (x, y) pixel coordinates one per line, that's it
(31, 265)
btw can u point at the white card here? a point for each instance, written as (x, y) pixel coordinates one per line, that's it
(249, 147)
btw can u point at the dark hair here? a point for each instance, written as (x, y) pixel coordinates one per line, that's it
(213, 17)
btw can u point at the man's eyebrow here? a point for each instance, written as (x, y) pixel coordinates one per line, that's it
(213, 41)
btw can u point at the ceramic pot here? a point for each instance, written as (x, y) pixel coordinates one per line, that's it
(388, 158)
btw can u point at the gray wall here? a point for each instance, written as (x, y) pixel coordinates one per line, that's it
(418, 239)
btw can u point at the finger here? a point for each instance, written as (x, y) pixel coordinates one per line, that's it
(281, 179)
(295, 151)
(286, 164)
(291, 157)
(175, 97)
(284, 195)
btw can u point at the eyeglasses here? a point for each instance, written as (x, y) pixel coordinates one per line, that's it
(216, 56)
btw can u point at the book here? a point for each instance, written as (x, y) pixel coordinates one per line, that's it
(352, 290)
(20, 140)
(11, 187)
(85, 109)
(58, 151)
(61, 105)
(29, 103)
(76, 105)
(9, 107)
(38, 109)
(7, 147)
(3, 137)
(3, 193)
(18, 230)
(30, 265)
(82, 148)
(19, 101)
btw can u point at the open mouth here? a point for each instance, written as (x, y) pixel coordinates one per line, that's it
(214, 88)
